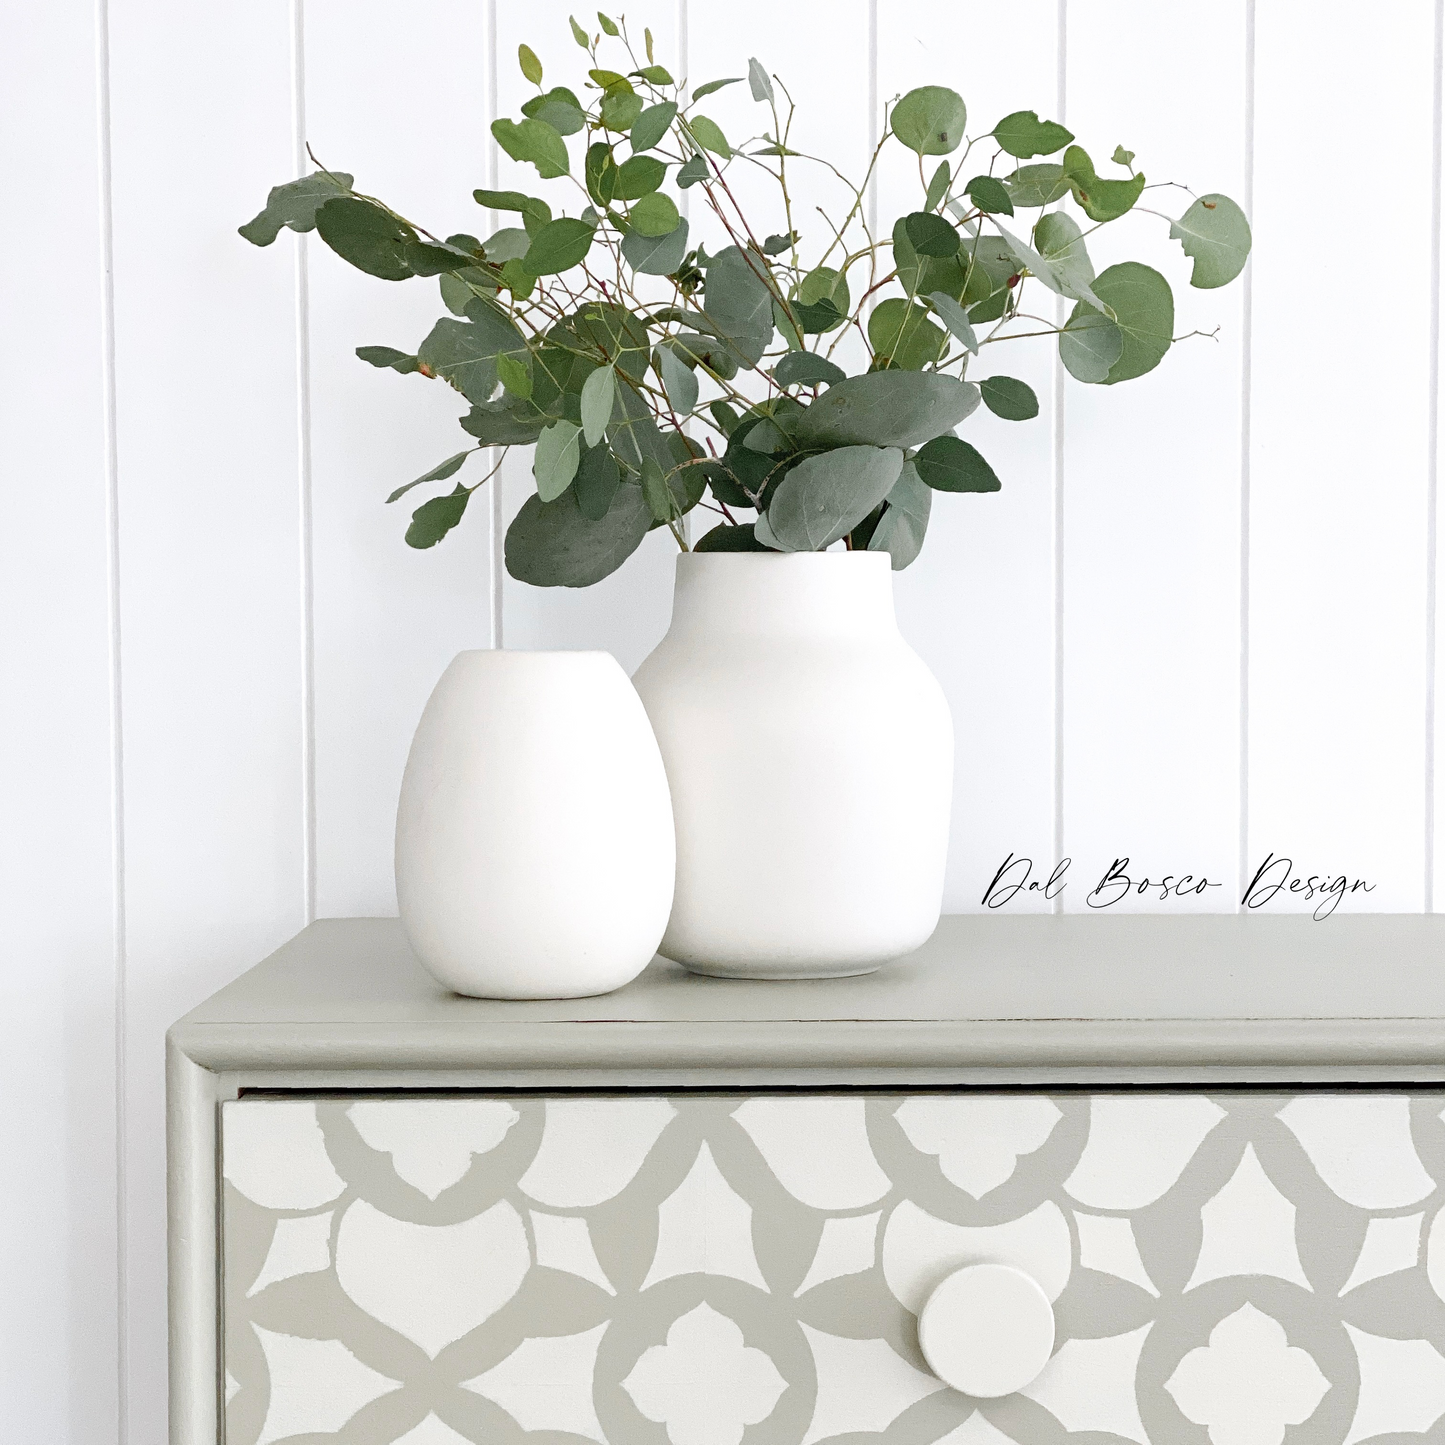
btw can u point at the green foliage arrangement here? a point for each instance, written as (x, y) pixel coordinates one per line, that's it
(655, 377)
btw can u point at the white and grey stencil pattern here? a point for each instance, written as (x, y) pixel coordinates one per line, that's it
(1237, 1268)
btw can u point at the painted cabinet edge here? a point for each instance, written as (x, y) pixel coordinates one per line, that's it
(747, 1053)
(193, 1258)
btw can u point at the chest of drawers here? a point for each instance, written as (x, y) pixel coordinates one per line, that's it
(700, 1212)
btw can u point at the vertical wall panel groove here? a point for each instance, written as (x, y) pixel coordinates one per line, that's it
(1432, 578)
(303, 479)
(1246, 403)
(1058, 379)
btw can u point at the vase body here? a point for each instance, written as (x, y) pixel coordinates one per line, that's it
(534, 837)
(810, 757)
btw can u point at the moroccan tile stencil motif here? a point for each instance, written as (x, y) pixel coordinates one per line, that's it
(706, 1269)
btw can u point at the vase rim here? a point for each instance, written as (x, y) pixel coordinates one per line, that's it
(795, 558)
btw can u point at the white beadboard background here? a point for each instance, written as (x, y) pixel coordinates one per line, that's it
(1198, 624)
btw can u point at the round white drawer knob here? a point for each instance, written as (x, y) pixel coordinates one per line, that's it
(987, 1330)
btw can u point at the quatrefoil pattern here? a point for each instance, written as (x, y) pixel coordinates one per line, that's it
(1236, 1268)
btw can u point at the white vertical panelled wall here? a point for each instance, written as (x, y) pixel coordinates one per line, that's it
(1197, 627)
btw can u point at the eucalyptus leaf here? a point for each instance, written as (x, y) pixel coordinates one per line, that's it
(534, 141)
(955, 318)
(1215, 234)
(638, 176)
(578, 33)
(727, 537)
(905, 519)
(531, 66)
(931, 235)
(599, 392)
(655, 491)
(438, 473)
(656, 255)
(654, 215)
(518, 279)
(806, 368)
(560, 108)
(511, 243)
(713, 85)
(930, 120)
(990, 195)
(515, 374)
(887, 409)
(434, 519)
(948, 464)
(1061, 247)
(758, 82)
(620, 109)
(555, 462)
(902, 333)
(738, 304)
(514, 201)
(1023, 134)
(655, 75)
(559, 246)
(690, 172)
(598, 477)
(459, 289)
(388, 356)
(1102, 200)
(1143, 307)
(370, 238)
(824, 497)
(504, 423)
(1039, 185)
(708, 134)
(610, 26)
(1009, 398)
(938, 186)
(1089, 345)
(295, 205)
(1123, 157)
(464, 353)
(678, 380)
(652, 126)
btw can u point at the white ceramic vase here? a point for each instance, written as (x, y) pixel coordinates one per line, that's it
(810, 756)
(534, 838)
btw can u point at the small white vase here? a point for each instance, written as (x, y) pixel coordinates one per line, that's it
(810, 756)
(534, 838)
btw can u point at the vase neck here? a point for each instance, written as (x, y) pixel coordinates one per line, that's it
(767, 594)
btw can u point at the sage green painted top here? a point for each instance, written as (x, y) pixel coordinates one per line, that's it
(986, 996)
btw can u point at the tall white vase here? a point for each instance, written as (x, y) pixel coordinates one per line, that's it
(534, 838)
(810, 756)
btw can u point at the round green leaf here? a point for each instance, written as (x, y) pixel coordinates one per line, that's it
(552, 544)
(990, 195)
(949, 465)
(825, 496)
(655, 255)
(905, 519)
(654, 215)
(1101, 200)
(620, 108)
(1143, 307)
(560, 108)
(638, 177)
(652, 126)
(930, 120)
(709, 136)
(558, 246)
(726, 537)
(535, 141)
(1040, 185)
(1089, 346)
(931, 235)
(371, 239)
(434, 519)
(1009, 398)
(555, 462)
(887, 409)
(596, 483)
(902, 334)
(1215, 232)
(806, 368)
(1023, 134)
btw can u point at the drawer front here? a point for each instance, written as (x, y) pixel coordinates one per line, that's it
(703, 1269)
